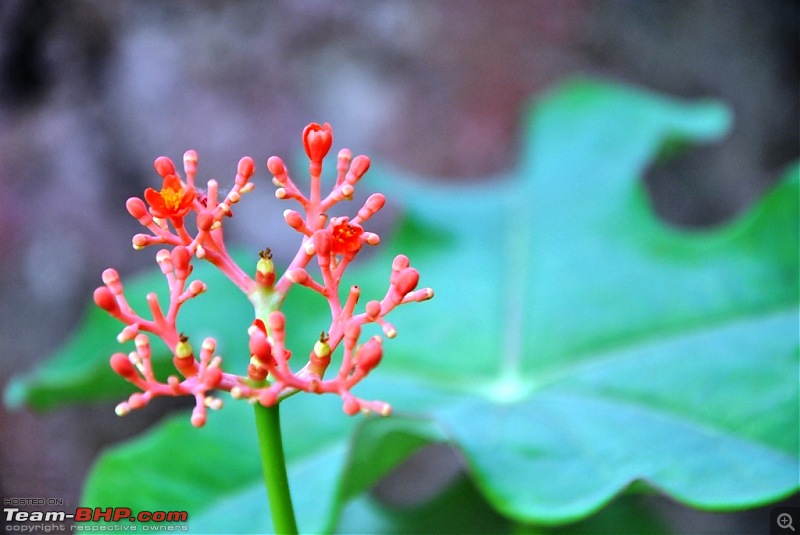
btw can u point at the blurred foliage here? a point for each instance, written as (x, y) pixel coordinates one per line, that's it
(577, 348)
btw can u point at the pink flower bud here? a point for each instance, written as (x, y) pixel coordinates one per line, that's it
(294, 219)
(140, 241)
(297, 275)
(122, 366)
(275, 166)
(198, 417)
(407, 280)
(359, 166)
(350, 406)
(374, 203)
(369, 355)
(138, 209)
(180, 261)
(190, 162)
(317, 140)
(245, 169)
(400, 262)
(106, 300)
(197, 287)
(260, 346)
(164, 166)
(373, 309)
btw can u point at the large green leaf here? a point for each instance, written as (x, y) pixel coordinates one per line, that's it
(576, 346)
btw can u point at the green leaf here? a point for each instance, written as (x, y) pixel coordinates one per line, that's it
(577, 346)
(594, 345)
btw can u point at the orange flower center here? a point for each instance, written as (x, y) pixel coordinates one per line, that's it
(346, 237)
(172, 197)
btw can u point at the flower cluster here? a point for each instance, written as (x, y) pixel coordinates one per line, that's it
(333, 242)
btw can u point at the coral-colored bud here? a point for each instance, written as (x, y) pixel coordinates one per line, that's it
(122, 366)
(350, 406)
(294, 219)
(180, 261)
(373, 309)
(407, 280)
(190, 162)
(205, 220)
(371, 238)
(246, 168)
(140, 241)
(110, 276)
(106, 300)
(260, 346)
(197, 287)
(359, 166)
(137, 208)
(198, 417)
(369, 355)
(374, 203)
(164, 166)
(297, 275)
(317, 140)
(275, 166)
(122, 409)
(400, 261)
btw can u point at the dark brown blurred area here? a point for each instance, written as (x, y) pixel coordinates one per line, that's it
(92, 91)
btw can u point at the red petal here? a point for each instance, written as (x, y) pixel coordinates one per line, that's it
(156, 201)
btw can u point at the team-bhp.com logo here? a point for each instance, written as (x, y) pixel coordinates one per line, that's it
(164, 520)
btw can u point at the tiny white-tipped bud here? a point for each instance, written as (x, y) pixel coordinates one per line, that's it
(212, 403)
(280, 193)
(236, 392)
(308, 247)
(122, 409)
(389, 330)
(347, 190)
(371, 238)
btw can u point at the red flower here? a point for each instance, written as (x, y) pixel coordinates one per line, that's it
(174, 199)
(346, 237)
(317, 140)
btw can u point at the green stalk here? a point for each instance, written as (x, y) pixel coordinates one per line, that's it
(270, 442)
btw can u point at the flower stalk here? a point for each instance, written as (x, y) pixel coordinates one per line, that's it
(270, 443)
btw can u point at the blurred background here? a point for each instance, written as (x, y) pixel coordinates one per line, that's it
(92, 91)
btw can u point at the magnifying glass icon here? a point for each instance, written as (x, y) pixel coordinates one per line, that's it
(785, 521)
